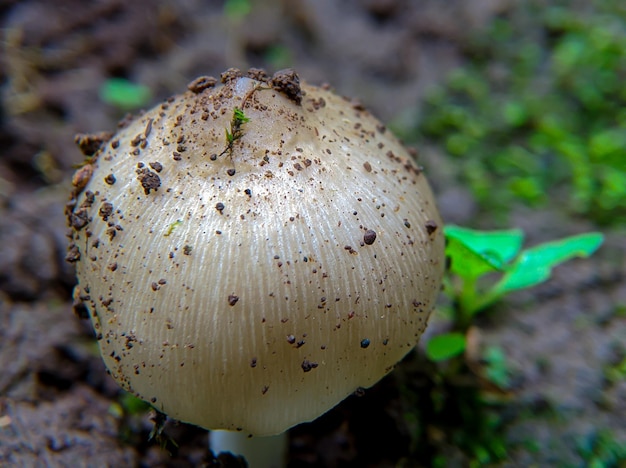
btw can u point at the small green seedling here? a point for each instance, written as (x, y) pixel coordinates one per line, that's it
(476, 254)
(124, 94)
(236, 130)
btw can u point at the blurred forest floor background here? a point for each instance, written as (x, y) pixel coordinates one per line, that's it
(518, 111)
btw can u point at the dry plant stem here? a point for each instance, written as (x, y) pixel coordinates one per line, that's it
(259, 452)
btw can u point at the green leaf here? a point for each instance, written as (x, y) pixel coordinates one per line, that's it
(474, 253)
(239, 117)
(229, 137)
(534, 266)
(124, 94)
(445, 346)
(465, 262)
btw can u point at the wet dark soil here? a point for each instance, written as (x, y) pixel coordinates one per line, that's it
(57, 405)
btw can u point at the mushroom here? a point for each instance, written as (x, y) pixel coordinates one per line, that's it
(253, 251)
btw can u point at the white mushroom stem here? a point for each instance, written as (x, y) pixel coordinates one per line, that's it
(259, 452)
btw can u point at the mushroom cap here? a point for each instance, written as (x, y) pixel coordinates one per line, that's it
(253, 281)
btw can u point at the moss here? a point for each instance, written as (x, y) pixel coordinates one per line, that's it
(539, 112)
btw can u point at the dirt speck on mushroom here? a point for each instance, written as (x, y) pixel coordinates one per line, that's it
(369, 237)
(431, 226)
